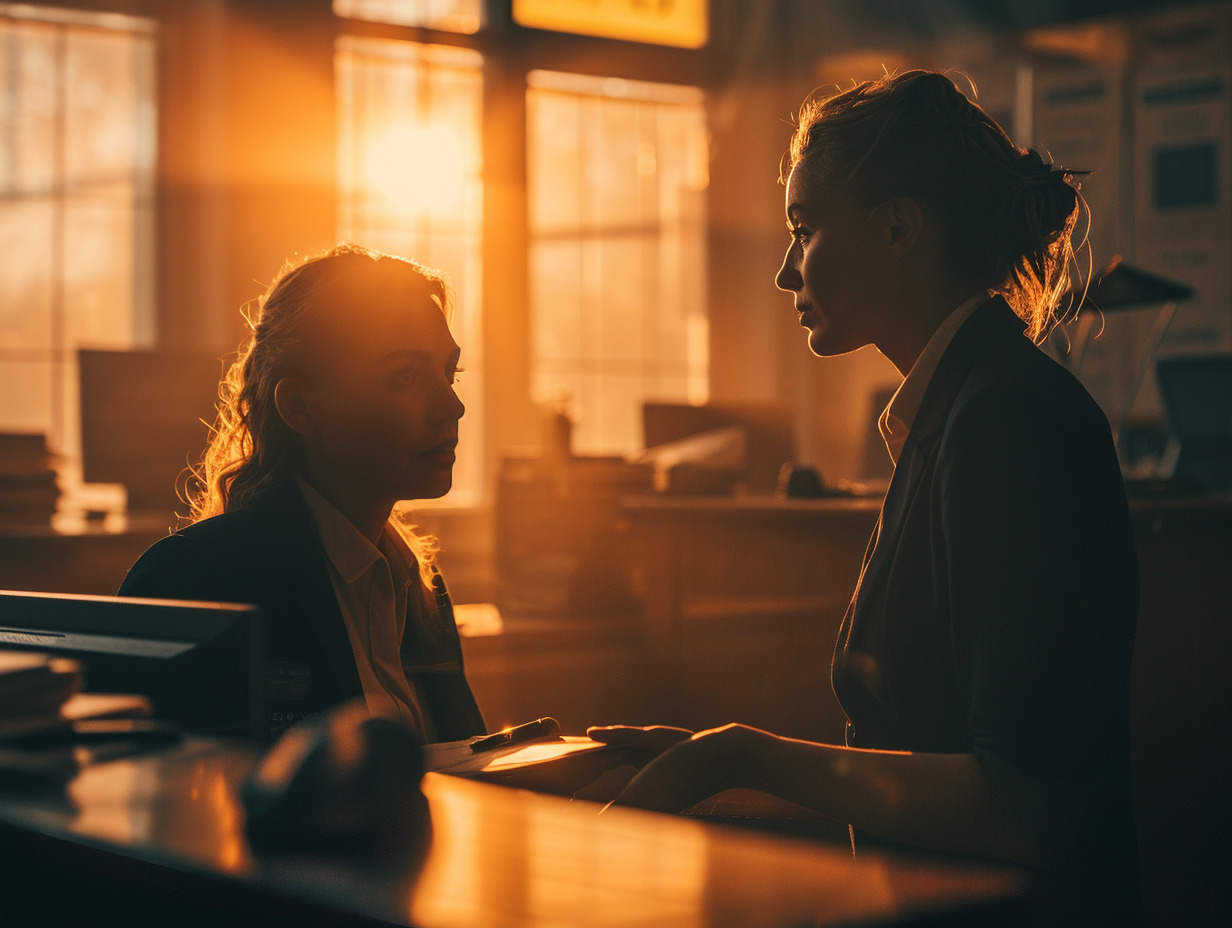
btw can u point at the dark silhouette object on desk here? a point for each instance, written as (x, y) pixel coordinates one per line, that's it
(803, 481)
(799, 481)
(343, 787)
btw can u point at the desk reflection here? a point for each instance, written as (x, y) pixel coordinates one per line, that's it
(498, 857)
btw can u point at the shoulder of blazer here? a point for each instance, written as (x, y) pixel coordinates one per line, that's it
(992, 323)
(236, 553)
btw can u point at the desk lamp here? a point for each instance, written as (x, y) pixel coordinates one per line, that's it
(1121, 287)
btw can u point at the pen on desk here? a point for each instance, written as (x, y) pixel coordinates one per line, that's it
(538, 730)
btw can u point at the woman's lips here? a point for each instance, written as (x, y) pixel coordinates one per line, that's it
(445, 453)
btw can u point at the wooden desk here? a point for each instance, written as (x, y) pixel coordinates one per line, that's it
(159, 840)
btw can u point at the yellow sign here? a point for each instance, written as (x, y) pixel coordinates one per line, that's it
(659, 22)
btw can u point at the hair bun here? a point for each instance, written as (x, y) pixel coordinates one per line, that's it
(1033, 165)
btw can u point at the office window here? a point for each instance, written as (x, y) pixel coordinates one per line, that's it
(617, 177)
(409, 161)
(447, 15)
(77, 158)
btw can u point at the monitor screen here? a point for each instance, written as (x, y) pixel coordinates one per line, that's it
(144, 419)
(199, 663)
(768, 426)
(1197, 395)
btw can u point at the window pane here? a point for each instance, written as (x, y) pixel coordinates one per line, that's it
(410, 183)
(556, 278)
(77, 159)
(617, 175)
(28, 55)
(95, 284)
(26, 291)
(26, 387)
(450, 15)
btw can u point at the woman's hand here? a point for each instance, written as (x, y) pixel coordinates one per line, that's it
(653, 739)
(688, 771)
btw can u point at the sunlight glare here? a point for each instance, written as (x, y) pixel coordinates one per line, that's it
(418, 169)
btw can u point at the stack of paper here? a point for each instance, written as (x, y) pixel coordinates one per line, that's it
(33, 690)
(28, 487)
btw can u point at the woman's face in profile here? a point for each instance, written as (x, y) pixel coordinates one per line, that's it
(830, 266)
(386, 412)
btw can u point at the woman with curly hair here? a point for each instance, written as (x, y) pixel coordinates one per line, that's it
(984, 660)
(340, 404)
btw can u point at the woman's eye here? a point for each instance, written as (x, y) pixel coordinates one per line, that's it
(455, 375)
(799, 233)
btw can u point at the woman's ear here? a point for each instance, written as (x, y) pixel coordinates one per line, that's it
(292, 400)
(903, 220)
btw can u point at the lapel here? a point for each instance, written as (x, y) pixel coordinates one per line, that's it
(448, 695)
(992, 321)
(296, 554)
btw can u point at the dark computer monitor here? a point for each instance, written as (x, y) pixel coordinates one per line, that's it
(144, 418)
(768, 427)
(200, 663)
(1197, 395)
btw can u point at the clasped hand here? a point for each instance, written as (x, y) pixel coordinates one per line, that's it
(689, 767)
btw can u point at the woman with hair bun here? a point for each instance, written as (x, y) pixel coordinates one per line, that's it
(984, 660)
(340, 404)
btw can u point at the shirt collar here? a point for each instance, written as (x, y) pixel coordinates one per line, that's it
(345, 546)
(898, 417)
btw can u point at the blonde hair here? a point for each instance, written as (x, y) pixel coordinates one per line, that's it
(1008, 214)
(251, 449)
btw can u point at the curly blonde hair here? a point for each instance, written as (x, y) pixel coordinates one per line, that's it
(251, 448)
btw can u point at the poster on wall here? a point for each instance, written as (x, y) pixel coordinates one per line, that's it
(1182, 109)
(1077, 123)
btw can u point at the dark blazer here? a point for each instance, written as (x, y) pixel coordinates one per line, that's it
(269, 554)
(997, 605)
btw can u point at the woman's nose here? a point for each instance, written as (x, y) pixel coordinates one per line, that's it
(788, 277)
(455, 405)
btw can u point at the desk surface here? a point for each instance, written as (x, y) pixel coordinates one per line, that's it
(498, 857)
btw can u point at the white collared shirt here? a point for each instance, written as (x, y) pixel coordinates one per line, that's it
(898, 417)
(373, 584)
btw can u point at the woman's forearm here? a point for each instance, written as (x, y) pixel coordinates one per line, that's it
(939, 801)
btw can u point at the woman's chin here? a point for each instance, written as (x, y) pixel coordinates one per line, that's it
(432, 486)
(824, 345)
(821, 344)
(435, 489)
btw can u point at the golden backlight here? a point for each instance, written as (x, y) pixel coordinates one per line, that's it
(410, 182)
(417, 168)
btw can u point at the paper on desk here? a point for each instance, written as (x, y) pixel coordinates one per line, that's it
(456, 757)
